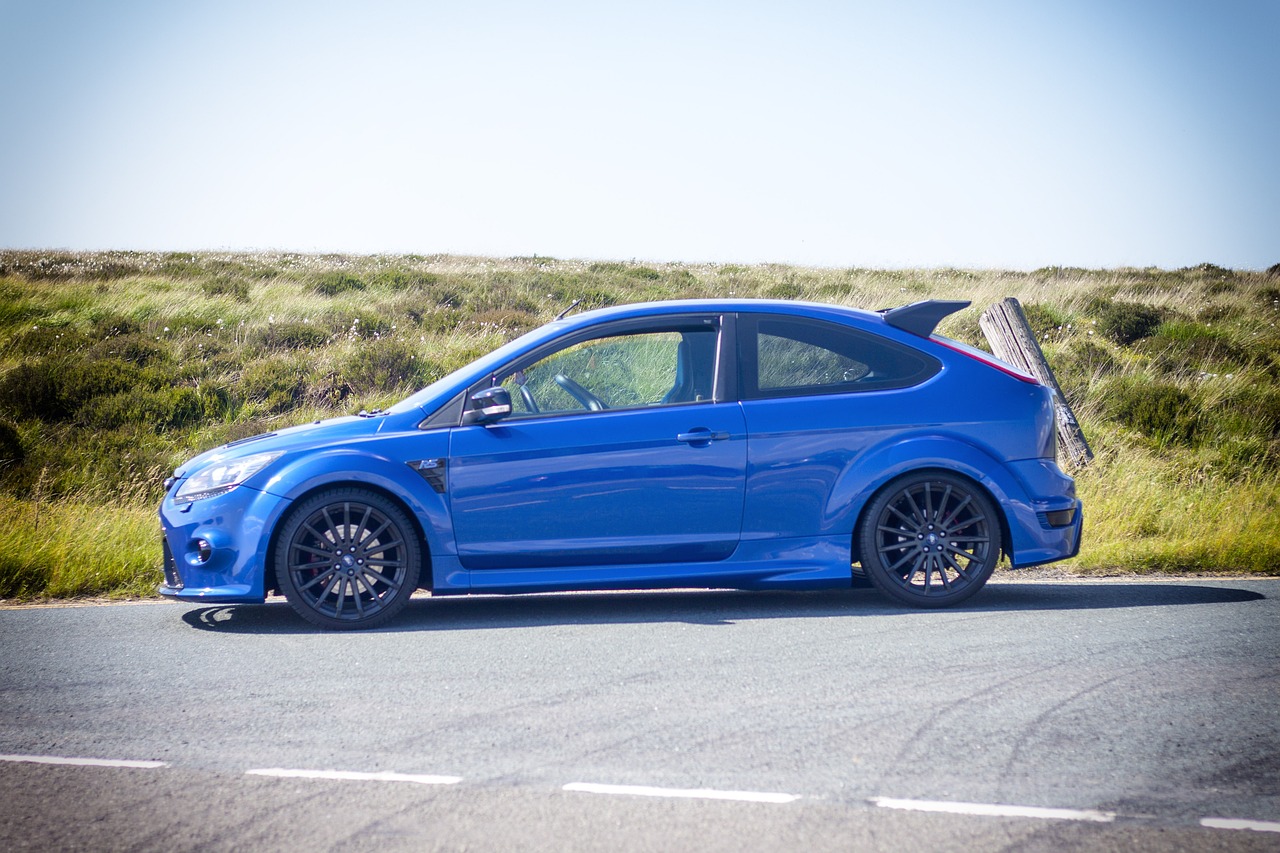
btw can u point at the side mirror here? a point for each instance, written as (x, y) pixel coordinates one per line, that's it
(488, 406)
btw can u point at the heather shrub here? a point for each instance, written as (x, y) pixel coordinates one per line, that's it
(274, 384)
(290, 336)
(55, 388)
(401, 279)
(224, 285)
(1161, 412)
(11, 452)
(384, 365)
(159, 409)
(1126, 322)
(134, 348)
(337, 281)
(43, 339)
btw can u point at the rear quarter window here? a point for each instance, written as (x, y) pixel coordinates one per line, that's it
(783, 357)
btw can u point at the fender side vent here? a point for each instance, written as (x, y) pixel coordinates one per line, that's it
(432, 470)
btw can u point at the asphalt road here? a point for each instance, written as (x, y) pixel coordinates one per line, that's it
(1042, 716)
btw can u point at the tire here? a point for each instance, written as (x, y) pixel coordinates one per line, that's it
(348, 558)
(930, 539)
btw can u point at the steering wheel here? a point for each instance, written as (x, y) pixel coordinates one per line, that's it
(582, 395)
(529, 403)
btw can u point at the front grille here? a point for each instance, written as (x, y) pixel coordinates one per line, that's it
(171, 577)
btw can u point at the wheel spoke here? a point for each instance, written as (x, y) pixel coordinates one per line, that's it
(373, 536)
(928, 503)
(342, 597)
(383, 547)
(334, 530)
(915, 569)
(976, 521)
(317, 535)
(356, 597)
(370, 583)
(357, 535)
(330, 587)
(942, 506)
(950, 520)
(962, 573)
(324, 577)
(927, 563)
(939, 564)
(970, 543)
(372, 580)
(916, 516)
(907, 555)
(908, 521)
(319, 552)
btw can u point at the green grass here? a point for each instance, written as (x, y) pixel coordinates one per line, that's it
(115, 366)
(70, 548)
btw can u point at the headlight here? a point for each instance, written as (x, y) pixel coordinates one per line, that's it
(221, 477)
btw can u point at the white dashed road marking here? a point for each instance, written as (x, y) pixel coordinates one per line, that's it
(937, 806)
(682, 793)
(994, 810)
(83, 762)
(356, 776)
(1231, 823)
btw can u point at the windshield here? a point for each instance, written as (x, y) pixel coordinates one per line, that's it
(442, 390)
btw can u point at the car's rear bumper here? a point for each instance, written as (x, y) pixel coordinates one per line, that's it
(1048, 524)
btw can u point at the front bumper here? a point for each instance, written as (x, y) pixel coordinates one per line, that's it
(214, 550)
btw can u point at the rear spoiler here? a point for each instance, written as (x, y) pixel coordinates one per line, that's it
(921, 318)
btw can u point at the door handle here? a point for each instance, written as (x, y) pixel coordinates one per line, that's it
(702, 436)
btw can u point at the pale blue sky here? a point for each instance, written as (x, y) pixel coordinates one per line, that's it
(1094, 133)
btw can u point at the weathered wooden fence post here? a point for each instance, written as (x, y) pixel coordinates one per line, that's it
(1006, 327)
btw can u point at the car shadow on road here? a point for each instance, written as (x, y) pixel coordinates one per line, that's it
(719, 607)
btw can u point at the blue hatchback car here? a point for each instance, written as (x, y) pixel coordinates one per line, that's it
(742, 444)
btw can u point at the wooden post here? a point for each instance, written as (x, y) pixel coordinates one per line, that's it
(1006, 327)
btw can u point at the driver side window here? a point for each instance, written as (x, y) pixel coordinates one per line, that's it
(624, 371)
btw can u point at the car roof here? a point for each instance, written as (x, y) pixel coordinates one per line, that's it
(912, 320)
(706, 306)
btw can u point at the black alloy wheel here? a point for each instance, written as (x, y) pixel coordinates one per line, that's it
(348, 558)
(930, 539)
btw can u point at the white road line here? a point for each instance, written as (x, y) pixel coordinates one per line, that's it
(1231, 823)
(994, 810)
(84, 762)
(939, 806)
(356, 776)
(682, 793)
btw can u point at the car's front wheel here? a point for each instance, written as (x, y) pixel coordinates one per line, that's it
(347, 558)
(930, 539)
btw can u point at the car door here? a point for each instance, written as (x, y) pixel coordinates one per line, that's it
(617, 453)
(815, 395)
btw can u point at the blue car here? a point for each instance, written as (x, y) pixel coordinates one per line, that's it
(744, 444)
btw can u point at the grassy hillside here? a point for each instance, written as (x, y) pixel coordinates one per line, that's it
(116, 366)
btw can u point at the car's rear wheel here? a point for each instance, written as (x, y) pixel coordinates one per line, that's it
(930, 539)
(348, 558)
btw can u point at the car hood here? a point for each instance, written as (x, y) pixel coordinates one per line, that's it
(312, 436)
